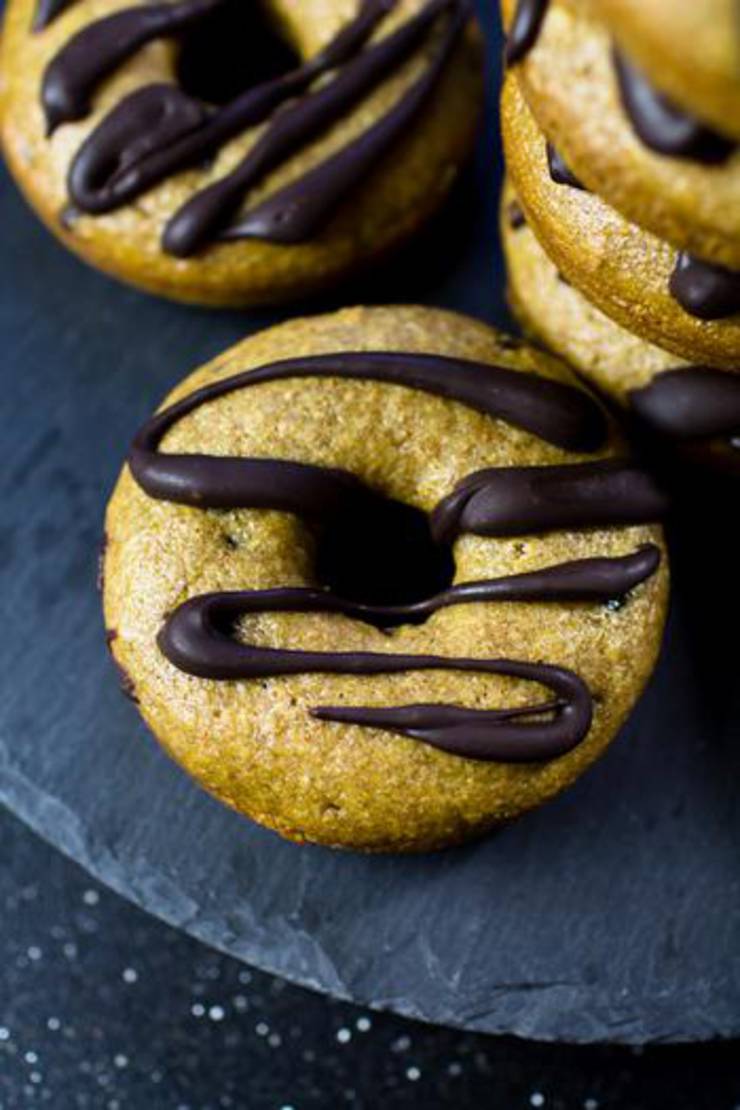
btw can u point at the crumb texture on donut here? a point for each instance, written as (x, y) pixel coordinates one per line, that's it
(570, 78)
(158, 170)
(256, 742)
(625, 271)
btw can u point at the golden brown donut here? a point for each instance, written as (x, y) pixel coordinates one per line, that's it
(252, 732)
(690, 413)
(351, 147)
(556, 314)
(690, 51)
(569, 78)
(624, 271)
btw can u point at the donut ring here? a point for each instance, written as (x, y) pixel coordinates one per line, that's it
(667, 172)
(287, 186)
(345, 715)
(552, 311)
(627, 273)
(704, 41)
(693, 412)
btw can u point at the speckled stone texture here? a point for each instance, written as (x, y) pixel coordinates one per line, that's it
(105, 1008)
(610, 915)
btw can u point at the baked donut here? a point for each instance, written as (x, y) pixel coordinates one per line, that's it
(346, 559)
(133, 132)
(686, 307)
(552, 311)
(667, 171)
(704, 41)
(692, 411)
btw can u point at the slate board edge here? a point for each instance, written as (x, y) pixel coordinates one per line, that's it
(50, 819)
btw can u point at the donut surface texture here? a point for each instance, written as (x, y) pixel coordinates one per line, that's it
(692, 411)
(165, 154)
(383, 579)
(637, 279)
(704, 40)
(671, 173)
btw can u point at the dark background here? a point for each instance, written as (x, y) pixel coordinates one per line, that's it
(105, 1007)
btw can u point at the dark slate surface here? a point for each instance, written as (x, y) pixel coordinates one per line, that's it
(610, 915)
(105, 1008)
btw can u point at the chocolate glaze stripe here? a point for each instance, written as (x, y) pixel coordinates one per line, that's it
(560, 172)
(525, 28)
(47, 11)
(692, 403)
(563, 415)
(198, 639)
(99, 48)
(661, 125)
(705, 290)
(159, 130)
(505, 501)
(298, 211)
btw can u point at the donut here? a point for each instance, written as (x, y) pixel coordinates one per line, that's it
(704, 41)
(552, 311)
(134, 133)
(671, 173)
(383, 579)
(691, 412)
(687, 307)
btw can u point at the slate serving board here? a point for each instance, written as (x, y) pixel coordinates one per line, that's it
(611, 915)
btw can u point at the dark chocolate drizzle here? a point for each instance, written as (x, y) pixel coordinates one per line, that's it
(507, 501)
(525, 28)
(111, 168)
(705, 290)
(198, 637)
(696, 402)
(99, 49)
(560, 172)
(299, 210)
(561, 414)
(47, 11)
(160, 130)
(661, 125)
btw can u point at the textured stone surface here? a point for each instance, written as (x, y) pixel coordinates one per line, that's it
(611, 915)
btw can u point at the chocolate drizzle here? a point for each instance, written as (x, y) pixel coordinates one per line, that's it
(296, 212)
(692, 403)
(508, 501)
(525, 28)
(198, 637)
(99, 48)
(661, 125)
(560, 172)
(561, 414)
(47, 11)
(705, 290)
(112, 168)
(160, 130)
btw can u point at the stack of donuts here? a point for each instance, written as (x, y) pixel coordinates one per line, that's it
(384, 578)
(621, 213)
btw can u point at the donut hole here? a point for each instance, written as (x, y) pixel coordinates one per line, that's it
(381, 552)
(235, 48)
